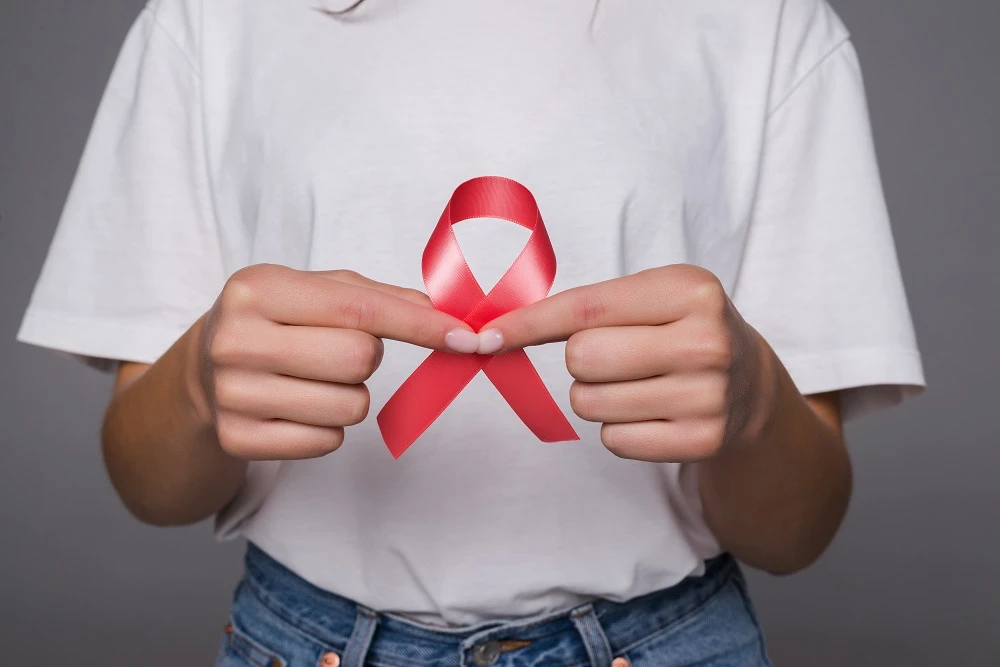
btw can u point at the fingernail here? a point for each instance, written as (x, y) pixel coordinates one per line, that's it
(490, 341)
(462, 340)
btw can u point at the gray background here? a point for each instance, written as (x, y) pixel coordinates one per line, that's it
(912, 578)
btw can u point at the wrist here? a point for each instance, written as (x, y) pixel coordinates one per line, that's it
(194, 381)
(761, 396)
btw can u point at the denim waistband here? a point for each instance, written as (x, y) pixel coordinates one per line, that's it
(602, 627)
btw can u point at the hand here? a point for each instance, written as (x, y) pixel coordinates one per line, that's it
(284, 355)
(661, 358)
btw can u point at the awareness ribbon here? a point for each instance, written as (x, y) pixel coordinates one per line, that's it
(453, 289)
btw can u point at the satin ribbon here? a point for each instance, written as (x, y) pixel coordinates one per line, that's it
(453, 289)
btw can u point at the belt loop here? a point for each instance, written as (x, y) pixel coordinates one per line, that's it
(361, 638)
(594, 639)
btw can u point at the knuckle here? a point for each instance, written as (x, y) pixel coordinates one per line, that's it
(358, 313)
(345, 275)
(589, 308)
(232, 440)
(707, 292)
(577, 355)
(225, 391)
(716, 395)
(717, 350)
(417, 296)
(364, 355)
(710, 437)
(693, 273)
(243, 287)
(721, 351)
(225, 348)
(377, 354)
(333, 440)
(238, 294)
(231, 447)
(322, 441)
(658, 273)
(243, 291)
(615, 440)
(583, 399)
(358, 407)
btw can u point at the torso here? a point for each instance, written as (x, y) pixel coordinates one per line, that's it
(335, 144)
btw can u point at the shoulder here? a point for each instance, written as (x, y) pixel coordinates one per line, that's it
(180, 20)
(807, 32)
(810, 16)
(758, 47)
(783, 40)
(795, 27)
(791, 35)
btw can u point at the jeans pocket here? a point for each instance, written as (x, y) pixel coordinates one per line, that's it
(239, 649)
(722, 632)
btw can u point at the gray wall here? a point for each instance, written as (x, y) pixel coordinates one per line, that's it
(911, 579)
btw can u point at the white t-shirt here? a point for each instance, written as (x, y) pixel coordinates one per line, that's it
(725, 133)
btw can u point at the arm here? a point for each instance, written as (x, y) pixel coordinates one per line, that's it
(666, 364)
(160, 448)
(778, 504)
(275, 370)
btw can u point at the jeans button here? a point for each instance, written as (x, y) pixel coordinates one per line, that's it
(486, 653)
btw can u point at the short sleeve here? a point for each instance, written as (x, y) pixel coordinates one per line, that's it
(820, 278)
(135, 259)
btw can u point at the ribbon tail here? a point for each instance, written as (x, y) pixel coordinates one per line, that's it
(424, 396)
(518, 382)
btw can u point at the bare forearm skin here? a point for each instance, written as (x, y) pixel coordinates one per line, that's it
(776, 497)
(160, 446)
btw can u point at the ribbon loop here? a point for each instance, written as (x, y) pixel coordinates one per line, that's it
(453, 289)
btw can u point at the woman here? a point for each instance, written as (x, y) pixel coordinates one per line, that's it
(242, 244)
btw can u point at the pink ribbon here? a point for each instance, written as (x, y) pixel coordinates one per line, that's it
(453, 289)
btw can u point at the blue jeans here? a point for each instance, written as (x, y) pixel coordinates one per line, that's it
(280, 620)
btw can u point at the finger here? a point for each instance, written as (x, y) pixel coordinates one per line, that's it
(656, 296)
(664, 441)
(273, 439)
(344, 356)
(664, 397)
(614, 354)
(354, 278)
(269, 396)
(307, 299)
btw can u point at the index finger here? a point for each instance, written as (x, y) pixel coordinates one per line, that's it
(340, 275)
(649, 298)
(309, 299)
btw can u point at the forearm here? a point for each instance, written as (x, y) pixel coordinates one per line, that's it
(160, 446)
(776, 496)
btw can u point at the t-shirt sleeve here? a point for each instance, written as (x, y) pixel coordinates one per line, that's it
(820, 278)
(135, 259)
